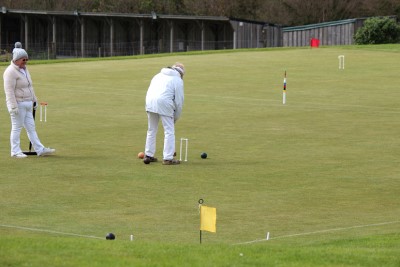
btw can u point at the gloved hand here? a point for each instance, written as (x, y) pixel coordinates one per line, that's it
(35, 105)
(14, 111)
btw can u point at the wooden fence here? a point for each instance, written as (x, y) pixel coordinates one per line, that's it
(328, 33)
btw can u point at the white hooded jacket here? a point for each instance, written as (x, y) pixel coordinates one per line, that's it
(165, 95)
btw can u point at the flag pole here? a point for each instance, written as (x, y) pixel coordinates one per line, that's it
(201, 201)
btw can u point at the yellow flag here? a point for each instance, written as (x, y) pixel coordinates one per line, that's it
(208, 219)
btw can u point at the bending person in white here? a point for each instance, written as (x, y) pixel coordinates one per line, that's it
(164, 100)
(20, 97)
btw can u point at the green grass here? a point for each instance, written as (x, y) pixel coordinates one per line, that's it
(319, 173)
(62, 251)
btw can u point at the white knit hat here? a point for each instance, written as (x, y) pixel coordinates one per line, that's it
(179, 68)
(18, 45)
(19, 53)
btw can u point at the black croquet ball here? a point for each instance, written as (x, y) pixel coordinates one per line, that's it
(146, 161)
(203, 155)
(110, 236)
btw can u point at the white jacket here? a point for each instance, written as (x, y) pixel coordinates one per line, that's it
(165, 95)
(17, 86)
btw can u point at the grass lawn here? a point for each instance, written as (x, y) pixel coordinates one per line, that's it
(320, 173)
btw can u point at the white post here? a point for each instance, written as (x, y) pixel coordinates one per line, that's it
(341, 62)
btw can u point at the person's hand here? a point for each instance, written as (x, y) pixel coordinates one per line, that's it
(14, 111)
(35, 105)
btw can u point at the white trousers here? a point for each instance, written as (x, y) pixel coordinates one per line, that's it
(24, 119)
(169, 135)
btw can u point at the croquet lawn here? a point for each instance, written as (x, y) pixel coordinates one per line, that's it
(320, 173)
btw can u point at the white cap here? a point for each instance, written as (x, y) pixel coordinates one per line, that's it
(19, 53)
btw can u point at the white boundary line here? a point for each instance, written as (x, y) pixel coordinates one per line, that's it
(243, 243)
(48, 231)
(317, 232)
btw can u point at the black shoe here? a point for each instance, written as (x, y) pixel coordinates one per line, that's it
(150, 159)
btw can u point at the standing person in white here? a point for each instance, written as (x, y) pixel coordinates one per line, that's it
(164, 100)
(20, 98)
